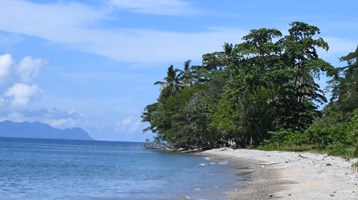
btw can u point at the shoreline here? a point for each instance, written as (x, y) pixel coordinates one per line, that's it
(292, 175)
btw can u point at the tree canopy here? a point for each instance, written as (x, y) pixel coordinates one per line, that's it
(254, 92)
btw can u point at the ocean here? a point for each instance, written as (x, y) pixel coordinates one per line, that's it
(40, 169)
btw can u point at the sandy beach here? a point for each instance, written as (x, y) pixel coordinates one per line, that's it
(292, 175)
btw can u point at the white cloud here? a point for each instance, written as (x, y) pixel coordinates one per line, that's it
(129, 125)
(29, 68)
(145, 46)
(48, 21)
(68, 119)
(79, 27)
(6, 63)
(17, 82)
(158, 7)
(13, 116)
(53, 117)
(20, 94)
(58, 118)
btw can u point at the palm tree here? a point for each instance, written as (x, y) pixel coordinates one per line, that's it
(171, 86)
(186, 75)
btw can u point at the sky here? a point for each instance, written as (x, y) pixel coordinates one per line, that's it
(92, 63)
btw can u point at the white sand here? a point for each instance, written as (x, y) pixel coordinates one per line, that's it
(301, 175)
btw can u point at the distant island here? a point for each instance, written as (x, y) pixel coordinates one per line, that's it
(40, 130)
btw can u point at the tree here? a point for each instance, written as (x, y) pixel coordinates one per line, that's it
(245, 93)
(171, 86)
(301, 60)
(344, 86)
(186, 76)
(218, 60)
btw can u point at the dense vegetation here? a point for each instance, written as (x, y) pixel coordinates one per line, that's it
(262, 91)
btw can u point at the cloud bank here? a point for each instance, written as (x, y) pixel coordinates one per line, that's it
(17, 82)
(129, 125)
(79, 26)
(157, 7)
(135, 45)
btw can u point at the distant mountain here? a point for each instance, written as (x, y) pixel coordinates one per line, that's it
(40, 130)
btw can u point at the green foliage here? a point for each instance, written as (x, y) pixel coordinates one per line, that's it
(355, 152)
(353, 132)
(317, 135)
(278, 138)
(285, 137)
(337, 149)
(262, 91)
(224, 120)
(321, 134)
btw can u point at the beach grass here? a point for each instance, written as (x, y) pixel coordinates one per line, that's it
(332, 150)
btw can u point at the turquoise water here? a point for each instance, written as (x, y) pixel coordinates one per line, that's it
(38, 169)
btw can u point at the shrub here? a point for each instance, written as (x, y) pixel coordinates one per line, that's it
(317, 134)
(337, 149)
(297, 138)
(286, 137)
(355, 153)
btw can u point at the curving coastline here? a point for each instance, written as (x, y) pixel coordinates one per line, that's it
(293, 175)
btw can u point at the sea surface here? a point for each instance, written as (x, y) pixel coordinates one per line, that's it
(40, 169)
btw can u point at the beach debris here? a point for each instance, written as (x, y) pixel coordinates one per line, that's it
(270, 195)
(273, 163)
(302, 156)
(328, 164)
(289, 194)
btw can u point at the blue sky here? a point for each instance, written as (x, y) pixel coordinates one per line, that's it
(92, 63)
